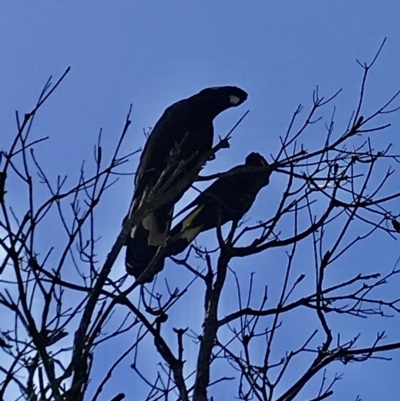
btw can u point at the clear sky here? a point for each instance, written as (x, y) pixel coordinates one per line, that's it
(151, 54)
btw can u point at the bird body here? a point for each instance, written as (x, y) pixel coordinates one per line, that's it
(183, 133)
(227, 199)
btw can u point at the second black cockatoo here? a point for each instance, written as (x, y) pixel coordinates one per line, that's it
(184, 131)
(227, 199)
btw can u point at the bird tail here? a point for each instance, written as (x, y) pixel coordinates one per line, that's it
(145, 240)
(184, 233)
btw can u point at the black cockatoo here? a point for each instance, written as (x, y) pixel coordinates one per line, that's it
(227, 199)
(185, 130)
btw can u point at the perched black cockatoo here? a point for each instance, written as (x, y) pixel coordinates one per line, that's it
(227, 199)
(184, 131)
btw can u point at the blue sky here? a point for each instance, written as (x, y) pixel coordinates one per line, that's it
(151, 55)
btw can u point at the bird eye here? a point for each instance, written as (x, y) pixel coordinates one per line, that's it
(234, 99)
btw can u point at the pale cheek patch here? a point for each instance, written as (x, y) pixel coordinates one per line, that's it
(234, 99)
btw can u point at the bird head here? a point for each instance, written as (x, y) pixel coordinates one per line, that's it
(219, 98)
(255, 159)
